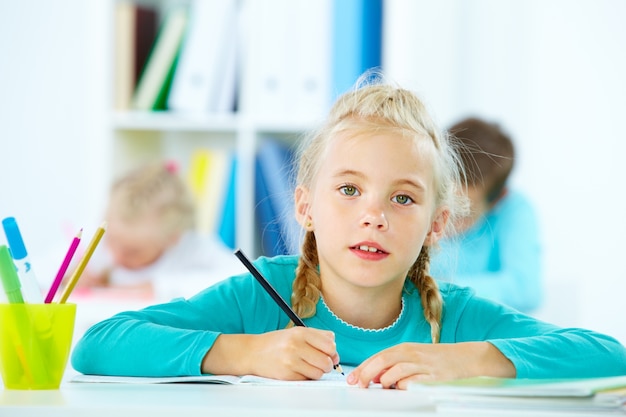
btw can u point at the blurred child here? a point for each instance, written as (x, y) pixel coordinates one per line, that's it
(150, 245)
(497, 250)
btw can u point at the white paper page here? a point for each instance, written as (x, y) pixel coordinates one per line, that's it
(333, 378)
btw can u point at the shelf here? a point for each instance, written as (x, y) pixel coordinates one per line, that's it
(186, 122)
(139, 136)
(170, 121)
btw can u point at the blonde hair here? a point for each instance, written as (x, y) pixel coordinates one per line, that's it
(381, 107)
(153, 189)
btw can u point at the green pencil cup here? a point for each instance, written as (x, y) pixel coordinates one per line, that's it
(35, 343)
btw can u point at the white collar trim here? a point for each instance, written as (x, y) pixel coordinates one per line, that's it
(362, 328)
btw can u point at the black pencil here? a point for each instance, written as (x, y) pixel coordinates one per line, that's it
(274, 294)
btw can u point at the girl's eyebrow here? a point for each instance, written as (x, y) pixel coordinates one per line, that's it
(418, 185)
(411, 183)
(348, 172)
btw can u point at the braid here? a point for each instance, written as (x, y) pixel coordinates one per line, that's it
(306, 286)
(429, 292)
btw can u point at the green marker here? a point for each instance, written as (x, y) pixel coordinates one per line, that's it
(32, 359)
(8, 274)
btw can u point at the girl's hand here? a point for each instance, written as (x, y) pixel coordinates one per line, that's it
(297, 353)
(396, 366)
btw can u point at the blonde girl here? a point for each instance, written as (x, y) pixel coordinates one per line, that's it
(376, 190)
(151, 246)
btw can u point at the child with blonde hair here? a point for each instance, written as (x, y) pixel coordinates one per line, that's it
(376, 189)
(151, 245)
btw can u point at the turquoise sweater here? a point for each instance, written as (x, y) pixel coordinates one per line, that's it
(171, 339)
(499, 256)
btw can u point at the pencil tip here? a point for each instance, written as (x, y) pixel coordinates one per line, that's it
(338, 368)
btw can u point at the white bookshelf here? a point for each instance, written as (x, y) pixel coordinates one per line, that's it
(140, 136)
(136, 136)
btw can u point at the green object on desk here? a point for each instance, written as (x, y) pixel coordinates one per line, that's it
(10, 280)
(511, 387)
(591, 396)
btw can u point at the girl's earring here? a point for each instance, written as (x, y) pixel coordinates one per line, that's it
(309, 224)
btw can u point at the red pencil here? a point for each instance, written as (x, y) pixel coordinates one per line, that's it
(64, 266)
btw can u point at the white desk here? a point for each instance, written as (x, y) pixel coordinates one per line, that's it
(190, 400)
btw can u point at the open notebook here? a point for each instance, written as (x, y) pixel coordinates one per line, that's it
(332, 378)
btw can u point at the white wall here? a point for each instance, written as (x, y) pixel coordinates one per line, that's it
(552, 73)
(51, 136)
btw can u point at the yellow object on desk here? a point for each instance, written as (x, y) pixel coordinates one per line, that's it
(35, 342)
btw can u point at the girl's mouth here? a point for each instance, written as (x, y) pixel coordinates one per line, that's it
(366, 248)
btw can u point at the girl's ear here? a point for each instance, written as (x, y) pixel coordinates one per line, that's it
(301, 197)
(438, 226)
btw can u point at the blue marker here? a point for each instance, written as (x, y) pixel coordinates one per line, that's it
(30, 288)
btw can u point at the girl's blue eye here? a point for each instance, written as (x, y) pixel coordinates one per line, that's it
(403, 199)
(349, 190)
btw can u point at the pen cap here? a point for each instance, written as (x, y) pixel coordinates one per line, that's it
(10, 280)
(14, 237)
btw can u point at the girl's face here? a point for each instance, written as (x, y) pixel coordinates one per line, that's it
(371, 209)
(134, 245)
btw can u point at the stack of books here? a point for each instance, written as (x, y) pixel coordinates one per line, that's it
(590, 396)
(292, 57)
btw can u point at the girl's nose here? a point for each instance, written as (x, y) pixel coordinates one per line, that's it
(375, 217)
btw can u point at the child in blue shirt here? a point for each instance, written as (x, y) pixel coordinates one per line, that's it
(497, 249)
(376, 189)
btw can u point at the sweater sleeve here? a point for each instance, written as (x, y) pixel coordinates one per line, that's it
(156, 341)
(171, 339)
(538, 349)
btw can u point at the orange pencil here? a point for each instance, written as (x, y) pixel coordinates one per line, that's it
(82, 264)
